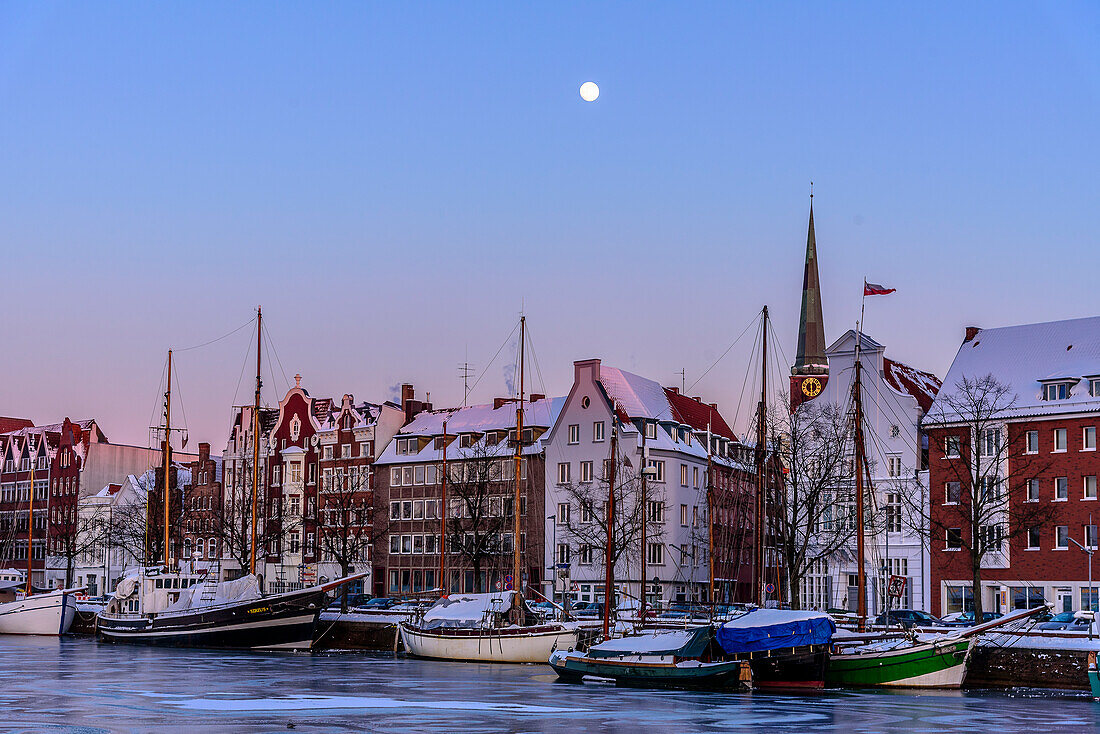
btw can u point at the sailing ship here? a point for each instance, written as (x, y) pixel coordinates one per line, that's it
(495, 627)
(23, 609)
(162, 605)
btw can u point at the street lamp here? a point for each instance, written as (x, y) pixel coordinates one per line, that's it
(1089, 550)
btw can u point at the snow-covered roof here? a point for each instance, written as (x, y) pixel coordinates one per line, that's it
(1022, 357)
(924, 386)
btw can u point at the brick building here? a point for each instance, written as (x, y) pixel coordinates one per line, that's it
(1040, 463)
(479, 450)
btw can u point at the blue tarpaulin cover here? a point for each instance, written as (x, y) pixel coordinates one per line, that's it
(770, 629)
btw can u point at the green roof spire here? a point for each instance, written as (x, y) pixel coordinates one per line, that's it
(810, 358)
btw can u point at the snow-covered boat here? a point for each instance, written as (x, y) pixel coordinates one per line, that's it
(493, 628)
(684, 658)
(784, 648)
(47, 613)
(184, 610)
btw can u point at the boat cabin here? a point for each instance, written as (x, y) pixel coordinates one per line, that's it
(150, 591)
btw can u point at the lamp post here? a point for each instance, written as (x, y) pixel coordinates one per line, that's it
(553, 556)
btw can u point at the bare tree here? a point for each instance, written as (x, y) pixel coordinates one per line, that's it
(230, 520)
(983, 506)
(586, 526)
(77, 534)
(814, 513)
(480, 499)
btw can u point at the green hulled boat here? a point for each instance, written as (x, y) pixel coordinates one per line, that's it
(1094, 676)
(902, 664)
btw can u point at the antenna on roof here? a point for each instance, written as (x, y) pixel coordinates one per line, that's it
(466, 370)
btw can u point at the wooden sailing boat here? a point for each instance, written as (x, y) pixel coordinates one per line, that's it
(495, 627)
(162, 605)
(22, 611)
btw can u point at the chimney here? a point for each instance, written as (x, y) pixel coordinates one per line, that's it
(537, 396)
(410, 406)
(407, 393)
(498, 402)
(971, 332)
(204, 451)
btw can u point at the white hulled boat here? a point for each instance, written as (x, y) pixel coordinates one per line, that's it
(487, 628)
(48, 613)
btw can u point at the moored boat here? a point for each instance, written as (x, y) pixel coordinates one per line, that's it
(47, 613)
(684, 658)
(485, 628)
(170, 609)
(784, 648)
(901, 663)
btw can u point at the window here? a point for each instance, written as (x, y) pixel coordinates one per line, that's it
(989, 489)
(954, 538)
(418, 510)
(685, 516)
(1094, 387)
(586, 471)
(1059, 439)
(395, 476)
(212, 549)
(275, 475)
(1090, 488)
(659, 466)
(295, 542)
(656, 511)
(407, 476)
(695, 477)
(990, 445)
(1032, 490)
(1089, 597)
(587, 555)
(953, 493)
(563, 473)
(574, 433)
(1061, 488)
(894, 465)
(295, 473)
(655, 554)
(563, 513)
(418, 474)
(1059, 391)
(683, 475)
(1090, 536)
(1034, 538)
(407, 510)
(991, 537)
(1061, 537)
(650, 431)
(597, 431)
(563, 553)
(429, 474)
(366, 449)
(951, 447)
(1032, 442)
(1088, 438)
(418, 544)
(893, 512)
(586, 513)
(345, 451)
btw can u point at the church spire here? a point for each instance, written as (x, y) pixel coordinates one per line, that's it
(810, 358)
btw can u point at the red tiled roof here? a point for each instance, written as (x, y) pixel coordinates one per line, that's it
(698, 414)
(921, 385)
(14, 424)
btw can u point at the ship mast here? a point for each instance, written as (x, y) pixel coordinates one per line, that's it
(857, 401)
(761, 465)
(516, 556)
(609, 568)
(30, 516)
(256, 436)
(167, 453)
(443, 518)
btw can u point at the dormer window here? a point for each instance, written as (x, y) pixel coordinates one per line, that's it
(1094, 387)
(407, 446)
(650, 431)
(465, 441)
(1056, 391)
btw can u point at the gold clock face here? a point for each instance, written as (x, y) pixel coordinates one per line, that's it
(811, 387)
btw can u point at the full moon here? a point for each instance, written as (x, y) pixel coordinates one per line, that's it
(589, 91)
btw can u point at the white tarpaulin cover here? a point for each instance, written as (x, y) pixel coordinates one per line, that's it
(466, 610)
(225, 592)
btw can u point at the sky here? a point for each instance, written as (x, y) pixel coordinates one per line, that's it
(395, 183)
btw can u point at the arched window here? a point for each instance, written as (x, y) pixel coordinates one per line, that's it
(199, 547)
(212, 549)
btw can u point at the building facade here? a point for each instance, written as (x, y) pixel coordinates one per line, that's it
(667, 433)
(469, 453)
(1036, 463)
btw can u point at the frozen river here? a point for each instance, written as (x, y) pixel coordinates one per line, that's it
(78, 685)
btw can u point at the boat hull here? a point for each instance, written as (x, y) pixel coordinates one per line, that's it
(644, 674)
(802, 667)
(39, 614)
(931, 665)
(285, 621)
(506, 645)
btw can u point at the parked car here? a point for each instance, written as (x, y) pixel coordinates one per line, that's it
(378, 602)
(1069, 621)
(588, 610)
(966, 619)
(354, 600)
(908, 618)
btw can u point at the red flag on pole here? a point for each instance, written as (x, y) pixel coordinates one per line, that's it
(873, 289)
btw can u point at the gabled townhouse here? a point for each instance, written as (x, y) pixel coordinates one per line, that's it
(657, 429)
